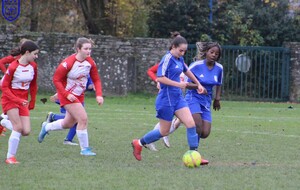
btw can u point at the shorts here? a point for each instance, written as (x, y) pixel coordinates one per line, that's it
(167, 112)
(205, 112)
(64, 101)
(23, 110)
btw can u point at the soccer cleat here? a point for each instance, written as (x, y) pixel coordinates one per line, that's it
(151, 147)
(166, 141)
(204, 162)
(137, 149)
(49, 117)
(43, 132)
(87, 152)
(67, 142)
(11, 160)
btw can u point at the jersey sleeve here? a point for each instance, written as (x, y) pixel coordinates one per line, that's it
(95, 77)
(6, 84)
(60, 75)
(33, 87)
(4, 61)
(151, 72)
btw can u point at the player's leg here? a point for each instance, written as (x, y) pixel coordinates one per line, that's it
(77, 111)
(186, 118)
(71, 134)
(14, 139)
(67, 122)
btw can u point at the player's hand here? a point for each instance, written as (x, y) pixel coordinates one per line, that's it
(201, 90)
(53, 98)
(31, 105)
(182, 84)
(25, 103)
(99, 100)
(71, 98)
(158, 85)
(216, 105)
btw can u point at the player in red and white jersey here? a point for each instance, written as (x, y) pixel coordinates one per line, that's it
(70, 80)
(20, 81)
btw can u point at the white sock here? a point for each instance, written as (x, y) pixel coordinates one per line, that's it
(157, 126)
(13, 143)
(54, 126)
(6, 123)
(4, 116)
(83, 138)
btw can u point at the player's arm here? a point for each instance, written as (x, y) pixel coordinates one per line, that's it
(151, 72)
(216, 103)
(60, 75)
(33, 89)
(97, 83)
(4, 61)
(200, 88)
(6, 86)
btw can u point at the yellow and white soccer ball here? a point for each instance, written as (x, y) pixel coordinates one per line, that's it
(191, 159)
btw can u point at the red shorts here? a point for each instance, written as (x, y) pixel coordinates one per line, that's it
(64, 101)
(7, 104)
(23, 110)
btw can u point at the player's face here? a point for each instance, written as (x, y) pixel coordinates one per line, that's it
(179, 51)
(85, 50)
(212, 54)
(31, 56)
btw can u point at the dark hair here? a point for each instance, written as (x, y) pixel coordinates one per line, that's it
(174, 34)
(28, 46)
(177, 41)
(17, 51)
(203, 47)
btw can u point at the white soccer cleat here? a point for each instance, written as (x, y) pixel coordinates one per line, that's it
(166, 141)
(151, 147)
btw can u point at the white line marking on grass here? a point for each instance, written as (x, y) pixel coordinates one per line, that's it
(259, 133)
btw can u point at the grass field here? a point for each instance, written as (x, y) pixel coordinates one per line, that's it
(251, 146)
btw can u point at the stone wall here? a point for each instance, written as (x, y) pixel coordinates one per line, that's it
(122, 62)
(295, 70)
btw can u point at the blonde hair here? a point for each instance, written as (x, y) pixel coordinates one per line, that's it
(81, 41)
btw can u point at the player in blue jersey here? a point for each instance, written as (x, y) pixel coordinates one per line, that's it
(53, 116)
(170, 100)
(209, 73)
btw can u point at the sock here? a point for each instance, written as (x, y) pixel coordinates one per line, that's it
(150, 137)
(54, 126)
(157, 126)
(56, 117)
(172, 128)
(13, 144)
(192, 138)
(4, 116)
(72, 133)
(83, 138)
(6, 123)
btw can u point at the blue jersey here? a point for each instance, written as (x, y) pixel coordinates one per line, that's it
(208, 79)
(170, 67)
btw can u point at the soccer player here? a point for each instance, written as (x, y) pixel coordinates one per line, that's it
(70, 80)
(19, 80)
(209, 73)
(170, 100)
(53, 116)
(14, 55)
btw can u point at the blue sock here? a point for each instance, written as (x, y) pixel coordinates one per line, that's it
(72, 133)
(151, 136)
(192, 138)
(56, 117)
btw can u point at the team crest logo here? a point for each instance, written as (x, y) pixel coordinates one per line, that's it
(11, 9)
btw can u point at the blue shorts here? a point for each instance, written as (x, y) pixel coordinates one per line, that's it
(167, 112)
(205, 112)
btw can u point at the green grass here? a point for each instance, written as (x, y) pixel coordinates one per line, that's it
(251, 146)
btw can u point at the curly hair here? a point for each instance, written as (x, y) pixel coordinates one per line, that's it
(203, 47)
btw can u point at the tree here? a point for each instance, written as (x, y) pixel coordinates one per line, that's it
(189, 17)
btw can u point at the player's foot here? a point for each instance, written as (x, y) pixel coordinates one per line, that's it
(87, 152)
(166, 141)
(151, 147)
(137, 149)
(204, 162)
(11, 160)
(67, 142)
(49, 117)
(43, 132)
